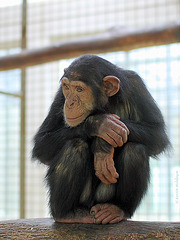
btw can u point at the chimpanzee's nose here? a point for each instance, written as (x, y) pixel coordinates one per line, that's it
(71, 102)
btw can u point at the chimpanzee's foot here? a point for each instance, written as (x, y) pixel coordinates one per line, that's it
(78, 216)
(107, 213)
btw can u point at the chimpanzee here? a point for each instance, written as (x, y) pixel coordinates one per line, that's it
(102, 127)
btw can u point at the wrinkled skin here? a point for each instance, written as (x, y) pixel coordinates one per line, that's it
(78, 101)
(115, 132)
(107, 213)
(99, 214)
(104, 167)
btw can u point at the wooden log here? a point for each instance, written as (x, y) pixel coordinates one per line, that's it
(116, 39)
(48, 229)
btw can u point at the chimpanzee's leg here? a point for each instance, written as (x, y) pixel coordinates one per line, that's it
(67, 178)
(134, 172)
(132, 165)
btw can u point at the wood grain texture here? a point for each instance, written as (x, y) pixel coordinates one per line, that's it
(48, 229)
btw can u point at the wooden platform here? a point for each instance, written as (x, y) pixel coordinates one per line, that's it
(47, 229)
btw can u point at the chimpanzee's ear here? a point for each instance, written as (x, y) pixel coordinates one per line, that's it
(111, 84)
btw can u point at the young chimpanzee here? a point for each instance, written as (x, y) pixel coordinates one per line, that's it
(96, 140)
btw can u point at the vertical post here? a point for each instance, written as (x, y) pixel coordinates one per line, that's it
(23, 115)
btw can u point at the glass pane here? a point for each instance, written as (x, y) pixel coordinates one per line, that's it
(10, 81)
(9, 156)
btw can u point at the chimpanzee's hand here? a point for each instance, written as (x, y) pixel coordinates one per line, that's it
(104, 167)
(113, 131)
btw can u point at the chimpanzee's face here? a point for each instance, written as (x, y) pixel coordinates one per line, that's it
(79, 101)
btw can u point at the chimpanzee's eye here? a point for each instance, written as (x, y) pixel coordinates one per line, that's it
(65, 86)
(79, 89)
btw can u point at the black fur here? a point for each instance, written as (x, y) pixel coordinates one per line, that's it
(69, 151)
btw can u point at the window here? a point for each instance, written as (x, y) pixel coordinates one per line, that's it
(52, 21)
(10, 122)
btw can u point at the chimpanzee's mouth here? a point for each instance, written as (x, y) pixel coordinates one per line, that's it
(76, 118)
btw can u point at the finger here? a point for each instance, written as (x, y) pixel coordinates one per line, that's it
(103, 178)
(95, 209)
(99, 171)
(108, 177)
(119, 217)
(101, 218)
(102, 172)
(112, 169)
(120, 136)
(116, 220)
(109, 165)
(114, 115)
(124, 135)
(116, 138)
(120, 123)
(124, 126)
(101, 215)
(114, 134)
(110, 140)
(118, 127)
(110, 218)
(113, 172)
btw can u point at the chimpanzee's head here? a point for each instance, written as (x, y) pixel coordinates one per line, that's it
(86, 87)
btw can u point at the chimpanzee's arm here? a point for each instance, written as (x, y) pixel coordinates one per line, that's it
(52, 136)
(152, 135)
(150, 131)
(144, 119)
(140, 115)
(53, 133)
(108, 127)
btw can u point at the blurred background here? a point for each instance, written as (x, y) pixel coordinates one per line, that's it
(26, 95)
